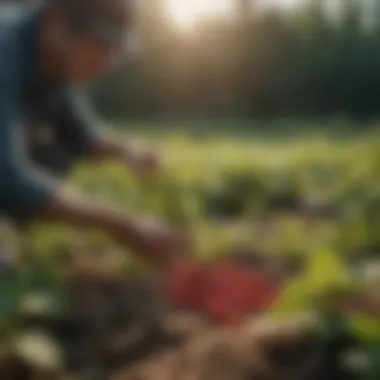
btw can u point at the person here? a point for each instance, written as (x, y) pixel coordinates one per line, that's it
(49, 53)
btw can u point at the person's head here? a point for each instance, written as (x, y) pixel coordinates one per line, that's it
(84, 37)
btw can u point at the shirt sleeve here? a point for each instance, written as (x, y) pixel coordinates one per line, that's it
(77, 124)
(24, 190)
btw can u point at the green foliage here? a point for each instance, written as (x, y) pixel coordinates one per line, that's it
(209, 181)
(201, 180)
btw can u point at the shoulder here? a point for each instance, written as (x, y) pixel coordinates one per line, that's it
(9, 16)
(9, 46)
(10, 53)
(15, 30)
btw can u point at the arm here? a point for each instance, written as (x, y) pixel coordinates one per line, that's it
(151, 244)
(79, 127)
(110, 146)
(26, 193)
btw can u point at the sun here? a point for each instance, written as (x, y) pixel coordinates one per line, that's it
(185, 12)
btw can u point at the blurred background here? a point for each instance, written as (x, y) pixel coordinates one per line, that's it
(246, 59)
(266, 114)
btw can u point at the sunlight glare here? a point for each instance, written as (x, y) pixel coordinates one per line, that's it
(185, 13)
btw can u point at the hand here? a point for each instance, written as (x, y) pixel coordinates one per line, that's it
(153, 240)
(143, 163)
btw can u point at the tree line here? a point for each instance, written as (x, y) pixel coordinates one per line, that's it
(312, 61)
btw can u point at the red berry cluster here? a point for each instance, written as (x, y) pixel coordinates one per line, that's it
(224, 290)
